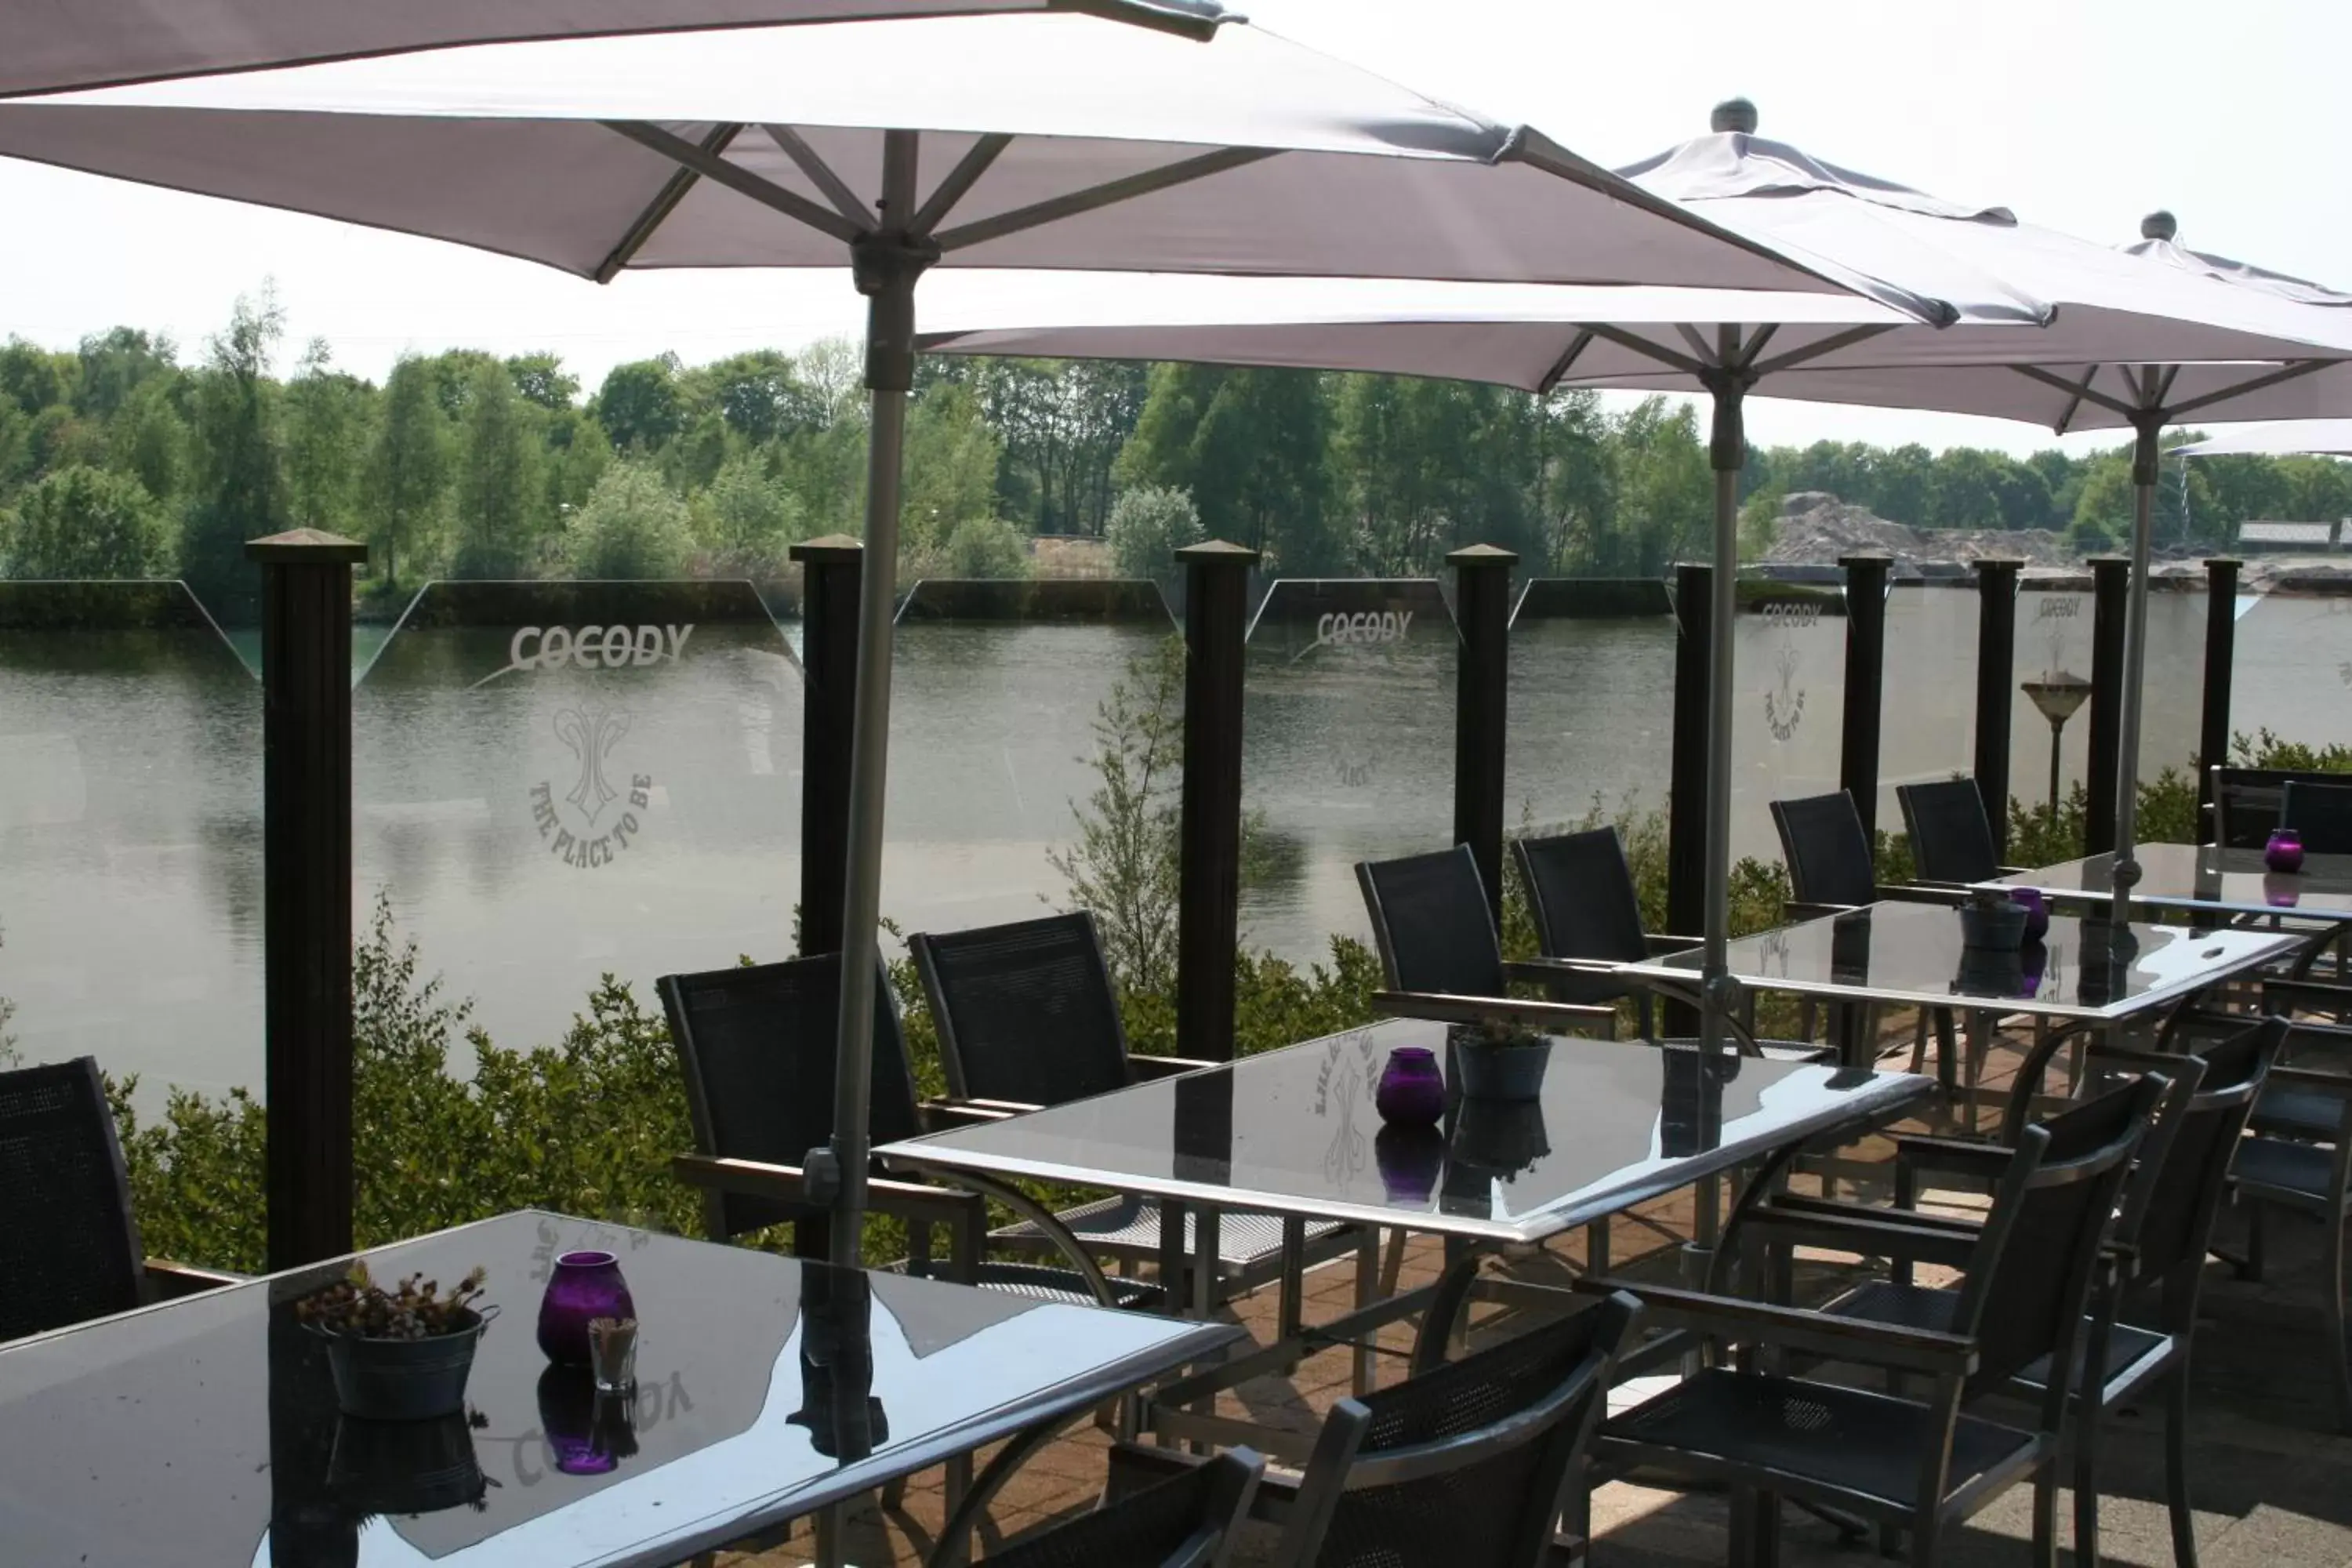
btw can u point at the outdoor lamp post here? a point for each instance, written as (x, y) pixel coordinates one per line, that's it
(2057, 695)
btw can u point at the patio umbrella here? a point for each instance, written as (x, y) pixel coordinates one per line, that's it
(103, 43)
(1060, 143)
(2005, 320)
(2292, 438)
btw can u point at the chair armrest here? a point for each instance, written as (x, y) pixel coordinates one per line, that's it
(1660, 942)
(1540, 971)
(1148, 1069)
(2315, 1078)
(2322, 995)
(942, 1114)
(169, 1281)
(1451, 1009)
(1869, 1233)
(1799, 910)
(787, 1183)
(1952, 1154)
(1845, 1339)
(1945, 893)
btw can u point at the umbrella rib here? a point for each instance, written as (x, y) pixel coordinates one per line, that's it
(1195, 19)
(2286, 373)
(1806, 353)
(959, 180)
(2078, 391)
(1561, 366)
(820, 173)
(1106, 195)
(1708, 355)
(1754, 345)
(658, 211)
(742, 181)
(1647, 349)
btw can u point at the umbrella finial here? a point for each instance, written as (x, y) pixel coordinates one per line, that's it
(1737, 115)
(2158, 225)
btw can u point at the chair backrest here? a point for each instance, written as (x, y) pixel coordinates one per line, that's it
(1951, 838)
(1828, 854)
(1431, 923)
(2169, 1213)
(2247, 801)
(69, 1247)
(1025, 1011)
(1185, 1522)
(756, 1043)
(1465, 1463)
(2322, 813)
(2030, 1274)
(1581, 891)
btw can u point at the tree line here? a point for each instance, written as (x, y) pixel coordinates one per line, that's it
(120, 457)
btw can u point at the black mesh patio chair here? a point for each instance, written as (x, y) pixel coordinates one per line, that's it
(1027, 1017)
(2298, 1159)
(756, 1046)
(2155, 1257)
(1187, 1520)
(1906, 1464)
(1440, 952)
(1951, 836)
(1586, 908)
(69, 1248)
(2321, 813)
(1831, 868)
(1471, 1464)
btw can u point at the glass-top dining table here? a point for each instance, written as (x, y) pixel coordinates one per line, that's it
(205, 1432)
(1295, 1133)
(2207, 878)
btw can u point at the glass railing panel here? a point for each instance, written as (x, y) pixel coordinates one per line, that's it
(1927, 701)
(1789, 692)
(2292, 666)
(993, 742)
(130, 836)
(1348, 751)
(556, 780)
(2053, 671)
(2172, 691)
(1591, 703)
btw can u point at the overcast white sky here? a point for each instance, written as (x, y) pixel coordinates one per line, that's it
(2080, 114)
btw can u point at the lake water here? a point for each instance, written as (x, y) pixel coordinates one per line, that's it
(537, 821)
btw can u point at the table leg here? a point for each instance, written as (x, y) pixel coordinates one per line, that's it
(1290, 1313)
(1171, 1256)
(1205, 1262)
(1367, 1284)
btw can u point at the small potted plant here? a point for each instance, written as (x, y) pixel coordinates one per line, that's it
(1991, 922)
(1498, 1058)
(398, 1354)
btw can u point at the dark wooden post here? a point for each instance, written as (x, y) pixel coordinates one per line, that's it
(1996, 666)
(831, 568)
(1209, 828)
(1866, 681)
(1686, 774)
(2110, 587)
(306, 845)
(2220, 658)
(1482, 611)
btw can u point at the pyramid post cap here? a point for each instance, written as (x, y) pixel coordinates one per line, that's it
(312, 546)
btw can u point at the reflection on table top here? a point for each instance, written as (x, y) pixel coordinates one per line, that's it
(1295, 1132)
(1912, 954)
(2192, 876)
(205, 1431)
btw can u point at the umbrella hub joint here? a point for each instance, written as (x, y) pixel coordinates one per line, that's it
(885, 266)
(1726, 386)
(2147, 455)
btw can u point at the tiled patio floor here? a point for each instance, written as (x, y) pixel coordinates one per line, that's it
(2271, 1477)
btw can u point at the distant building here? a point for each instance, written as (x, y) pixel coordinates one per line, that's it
(2262, 534)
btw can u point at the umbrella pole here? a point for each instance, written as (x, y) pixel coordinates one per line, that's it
(1727, 450)
(887, 267)
(2144, 457)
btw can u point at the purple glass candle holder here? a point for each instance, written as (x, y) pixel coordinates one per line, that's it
(2283, 853)
(1410, 1157)
(1412, 1092)
(2037, 912)
(2281, 890)
(584, 1285)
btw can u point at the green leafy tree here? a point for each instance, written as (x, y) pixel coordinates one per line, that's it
(632, 528)
(408, 467)
(327, 418)
(639, 405)
(239, 489)
(1252, 448)
(748, 519)
(1666, 492)
(987, 547)
(500, 491)
(951, 457)
(1148, 525)
(759, 395)
(147, 440)
(542, 379)
(116, 364)
(86, 522)
(33, 378)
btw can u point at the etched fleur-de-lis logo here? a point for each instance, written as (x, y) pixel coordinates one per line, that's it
(592, 736)
(1784, 708)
